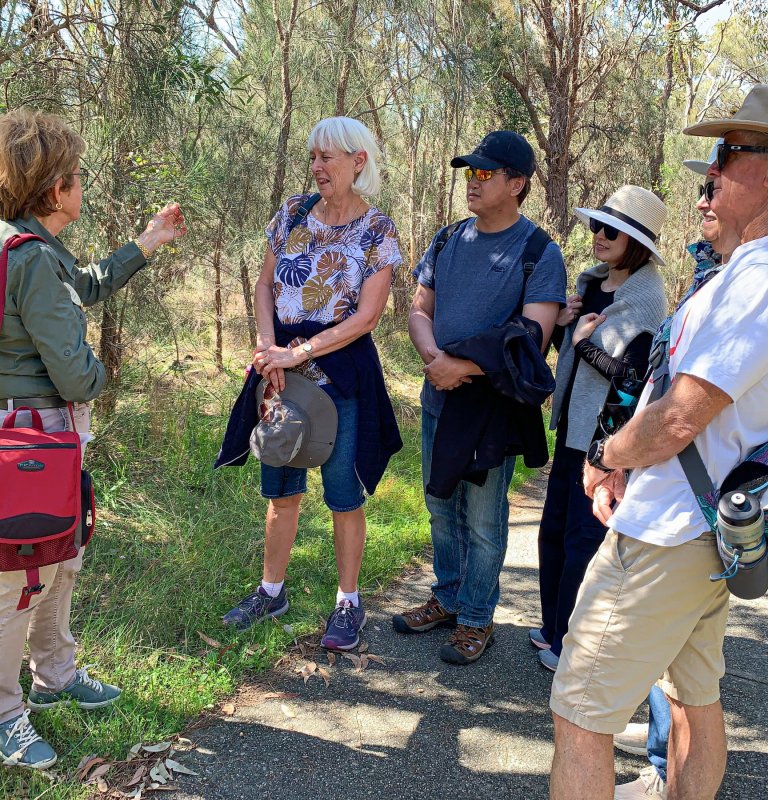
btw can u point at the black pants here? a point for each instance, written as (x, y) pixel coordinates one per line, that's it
(569, 536)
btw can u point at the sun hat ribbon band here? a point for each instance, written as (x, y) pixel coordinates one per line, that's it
(633, 222)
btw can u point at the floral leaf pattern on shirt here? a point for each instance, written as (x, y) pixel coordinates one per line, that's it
(316, 294)
(298, 240)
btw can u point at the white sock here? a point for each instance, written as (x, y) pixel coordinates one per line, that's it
(272, 589)
(353, 597)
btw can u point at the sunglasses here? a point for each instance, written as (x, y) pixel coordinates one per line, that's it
(482, 175)
(610, 233)
(707, 190)
(270, 402)
(724, 150)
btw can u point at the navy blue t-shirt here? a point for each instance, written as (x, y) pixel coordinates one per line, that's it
(478, 284)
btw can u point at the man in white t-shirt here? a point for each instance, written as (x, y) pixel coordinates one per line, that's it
(647, 606)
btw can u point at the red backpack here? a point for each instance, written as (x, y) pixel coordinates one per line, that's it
(47, 509)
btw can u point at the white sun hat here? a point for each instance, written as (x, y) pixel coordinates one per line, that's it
(634, 211)
(701, 167)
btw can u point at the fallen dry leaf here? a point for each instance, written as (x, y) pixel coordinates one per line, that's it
(209, 641)
(159, 774)
(97, 774)
(376, 659)
(363, 647)
(228, 709)
(288, 711)
(308, 670)
(102, 785)
(325, 675)
(178, 768)
(288, 629)
(307, 590)
(363, 661)
(353, 658)
(87, 763)
(134, 751)
(331, 658)
(137, 776)
(156, 748)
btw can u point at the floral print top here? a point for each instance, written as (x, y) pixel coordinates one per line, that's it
(320, 269)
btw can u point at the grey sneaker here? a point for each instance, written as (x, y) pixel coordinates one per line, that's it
(536, 638)
(548, 660)
(256, 608)
(86, 691)
(22, 746)
(649, 786)
(633, 739)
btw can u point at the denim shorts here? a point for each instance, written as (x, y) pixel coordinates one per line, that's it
(342, 490)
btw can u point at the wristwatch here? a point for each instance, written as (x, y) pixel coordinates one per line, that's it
(307, 348)
(595, 455)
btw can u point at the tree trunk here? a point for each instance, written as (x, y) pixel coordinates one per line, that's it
(346, 60)
(217, 297)
(245, 280)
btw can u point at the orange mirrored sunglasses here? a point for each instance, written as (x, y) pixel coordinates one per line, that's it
(481, 174)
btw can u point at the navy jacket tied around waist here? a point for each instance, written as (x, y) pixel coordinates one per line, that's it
(355, 370)
(499, 413)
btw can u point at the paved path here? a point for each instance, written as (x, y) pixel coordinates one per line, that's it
(419, 729)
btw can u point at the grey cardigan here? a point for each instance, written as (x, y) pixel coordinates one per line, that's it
(639, 306)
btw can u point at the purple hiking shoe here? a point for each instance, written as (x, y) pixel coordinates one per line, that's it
(255, 608)
(342, 631)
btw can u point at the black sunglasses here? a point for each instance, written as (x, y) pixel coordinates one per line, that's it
(724, 150)
(707, 190)
(609, 231)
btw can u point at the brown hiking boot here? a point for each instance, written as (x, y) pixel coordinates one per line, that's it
(467, 644)
(423, 618)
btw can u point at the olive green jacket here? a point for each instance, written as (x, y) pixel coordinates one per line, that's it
(43, 350)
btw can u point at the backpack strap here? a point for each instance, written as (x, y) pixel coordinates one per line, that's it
(446, 234)
(301, 212)
(33, 587)
(534, 250)
(10, 243)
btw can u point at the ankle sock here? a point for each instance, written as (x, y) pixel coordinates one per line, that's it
(353, 597)
(272, 589)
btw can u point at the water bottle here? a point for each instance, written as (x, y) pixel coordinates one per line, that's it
(742, 544)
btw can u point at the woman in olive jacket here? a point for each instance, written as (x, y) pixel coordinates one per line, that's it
(47, 364)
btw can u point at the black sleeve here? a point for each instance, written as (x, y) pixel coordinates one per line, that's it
(633, 365)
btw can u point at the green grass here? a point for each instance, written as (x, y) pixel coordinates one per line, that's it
(178, 544)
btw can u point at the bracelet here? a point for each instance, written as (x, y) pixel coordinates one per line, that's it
(146, 253)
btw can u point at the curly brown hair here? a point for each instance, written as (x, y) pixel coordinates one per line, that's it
(36, 149)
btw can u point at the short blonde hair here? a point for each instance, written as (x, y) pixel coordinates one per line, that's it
(350, 135)
(36, 149)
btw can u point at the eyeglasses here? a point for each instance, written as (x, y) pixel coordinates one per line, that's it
(482, 175)
(724, 150)
(84, 175)
(707, 190)
(610, 233)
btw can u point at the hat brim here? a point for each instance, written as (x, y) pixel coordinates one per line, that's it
(586, 214)
(699, 167)
(478, 162)
(719, 127)
(320, 414)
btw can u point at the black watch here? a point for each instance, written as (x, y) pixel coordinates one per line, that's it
(595, 455)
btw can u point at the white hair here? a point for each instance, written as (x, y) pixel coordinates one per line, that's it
(349, 136)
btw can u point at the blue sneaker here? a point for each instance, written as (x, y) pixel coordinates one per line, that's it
(86, 691)
(256, 608)
(22, 746)
(342, 631)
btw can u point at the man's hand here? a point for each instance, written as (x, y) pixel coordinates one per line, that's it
(605, 489)
(445, 372)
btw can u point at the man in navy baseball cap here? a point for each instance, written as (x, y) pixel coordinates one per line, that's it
(492, 266)
(500, 149)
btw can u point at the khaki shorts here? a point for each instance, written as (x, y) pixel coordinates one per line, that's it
(642, 611)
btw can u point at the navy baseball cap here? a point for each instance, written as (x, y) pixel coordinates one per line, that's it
(500, 149)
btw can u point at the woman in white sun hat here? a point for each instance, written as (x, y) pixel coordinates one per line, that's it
(606, 329)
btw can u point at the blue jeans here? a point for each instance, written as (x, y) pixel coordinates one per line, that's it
(469, 536)
(660, 721)
(342, 490)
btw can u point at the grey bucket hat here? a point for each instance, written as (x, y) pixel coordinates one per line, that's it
(701, 167)
(297, 427)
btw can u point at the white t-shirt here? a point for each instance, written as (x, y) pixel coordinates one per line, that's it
(721, 336)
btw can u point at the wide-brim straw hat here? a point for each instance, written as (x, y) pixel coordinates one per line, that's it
(701, 167)
(634, 211)
(752, 116)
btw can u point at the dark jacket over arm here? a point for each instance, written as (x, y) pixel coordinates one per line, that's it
(499, 413)
(355, 370)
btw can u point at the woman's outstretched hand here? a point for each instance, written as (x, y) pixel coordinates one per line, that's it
(166, 226)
